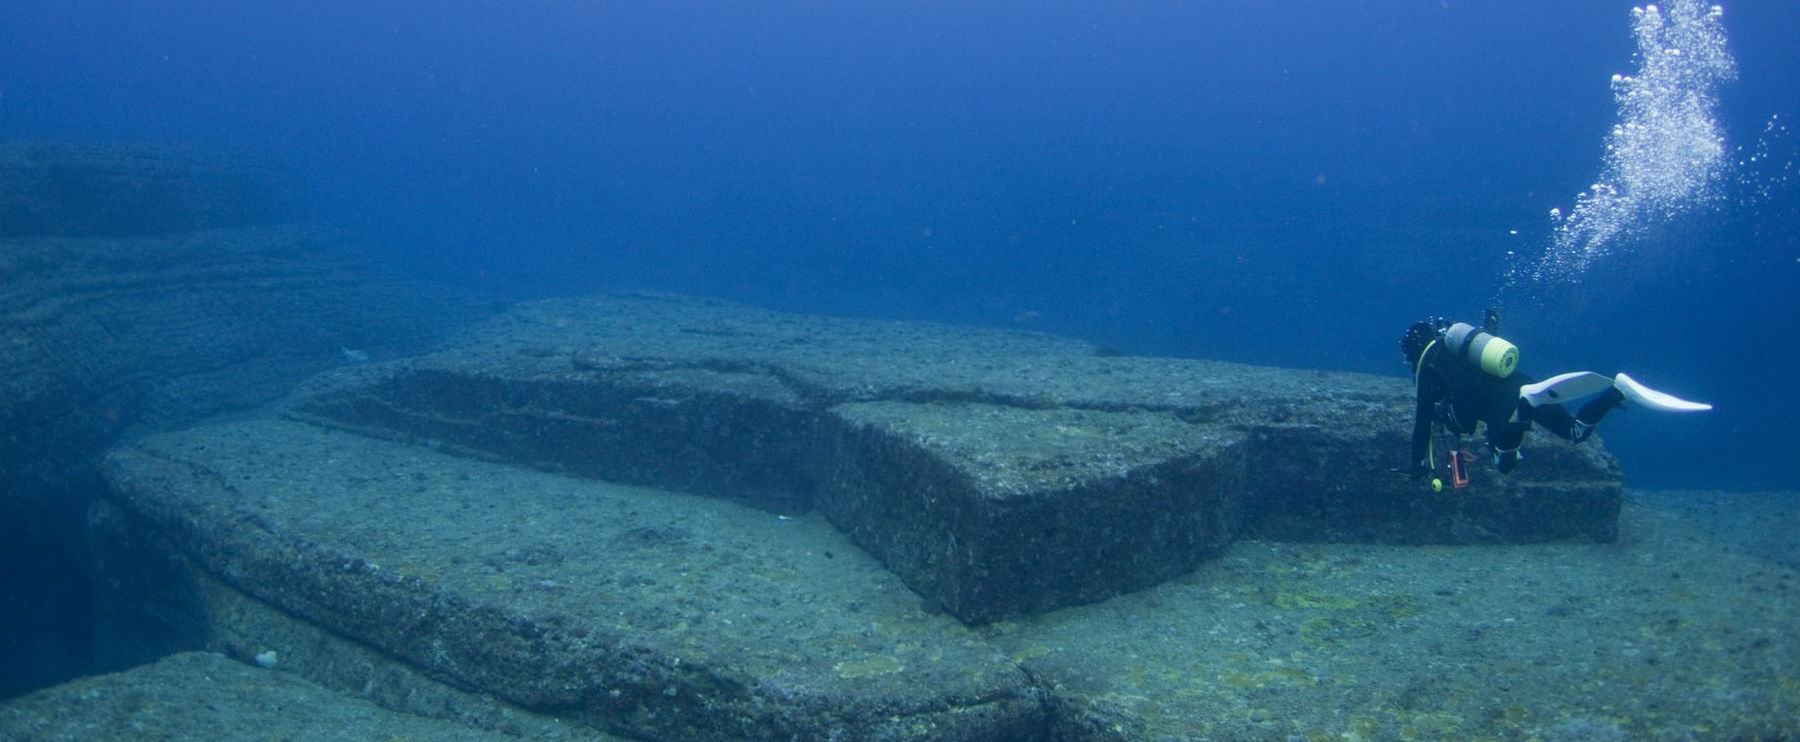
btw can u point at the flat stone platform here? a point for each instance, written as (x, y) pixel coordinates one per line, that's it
(1675, 631)
(201, 696)
(997, 473)
(672, 518)
(431, 582)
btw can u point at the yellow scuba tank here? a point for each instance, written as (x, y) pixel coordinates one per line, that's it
(1482, 348)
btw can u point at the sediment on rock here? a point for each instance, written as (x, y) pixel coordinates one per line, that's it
(998, 473)
(144, 289)
(642, 612)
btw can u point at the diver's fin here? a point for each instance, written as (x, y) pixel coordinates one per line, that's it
(1653, 399)
(1565, 387)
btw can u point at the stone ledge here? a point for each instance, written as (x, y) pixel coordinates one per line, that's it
(997, 473)
(640, 612)
(206, 696)
(131, 190)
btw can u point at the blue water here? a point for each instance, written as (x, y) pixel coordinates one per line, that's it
(1274, 182)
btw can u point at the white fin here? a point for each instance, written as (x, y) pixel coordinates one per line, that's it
(1565, 387)
(1653, 399)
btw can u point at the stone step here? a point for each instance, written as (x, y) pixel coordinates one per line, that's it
(392, 570)
(202, 696)
(997, 473)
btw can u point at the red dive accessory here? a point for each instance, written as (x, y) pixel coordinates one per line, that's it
(1459, 472)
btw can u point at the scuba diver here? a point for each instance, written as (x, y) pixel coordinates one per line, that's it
(1466, 375)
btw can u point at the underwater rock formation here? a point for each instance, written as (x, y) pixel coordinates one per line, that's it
(146, 286)
(644, 513)
(50, 189)
(431, 582)
(998, 473)
(149, 288)
(204, 696)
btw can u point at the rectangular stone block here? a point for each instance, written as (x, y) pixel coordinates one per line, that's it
(640, 612)
(997, 473)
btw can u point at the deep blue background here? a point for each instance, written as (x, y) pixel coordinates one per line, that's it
(1280, 182)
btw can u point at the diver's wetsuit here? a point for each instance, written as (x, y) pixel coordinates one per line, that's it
(1461, 394)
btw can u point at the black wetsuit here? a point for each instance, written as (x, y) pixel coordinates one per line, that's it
(1460, 394)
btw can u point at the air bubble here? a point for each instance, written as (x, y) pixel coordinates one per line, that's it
(1667, 152)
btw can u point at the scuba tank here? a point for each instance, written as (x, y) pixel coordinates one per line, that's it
(1482, 348)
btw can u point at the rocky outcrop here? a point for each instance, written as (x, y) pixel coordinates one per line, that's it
(204, 696)
(150, 288)
(645, 513)
(102, 333)
(431, 581)
(142, 285)
(117, 190)
(997, 473)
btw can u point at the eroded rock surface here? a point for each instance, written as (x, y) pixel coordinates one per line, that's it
(148, 288)
(673, 518)
(206, 696)
(998, 473)
(653, 614)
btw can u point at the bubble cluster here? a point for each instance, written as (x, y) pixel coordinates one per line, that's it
(1767, 169)
(1667, 153)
